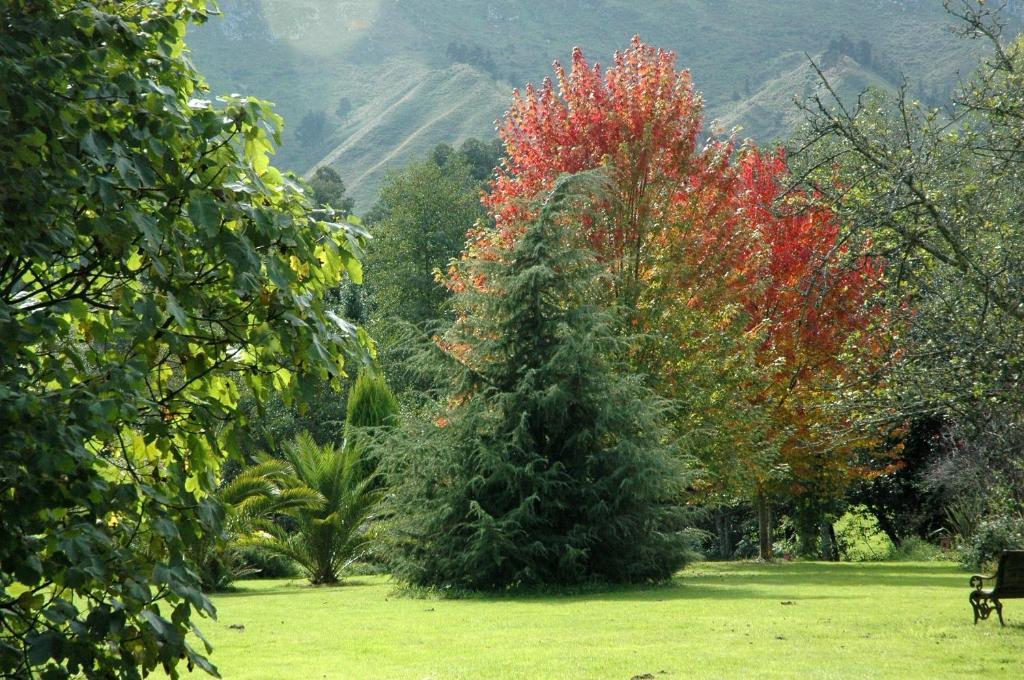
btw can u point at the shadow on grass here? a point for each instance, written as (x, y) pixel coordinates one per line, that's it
(675, 592)
(840, 574)
(292, 587)
(920, 568)
(702, 581)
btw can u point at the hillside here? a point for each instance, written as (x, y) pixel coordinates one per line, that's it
(366, 84)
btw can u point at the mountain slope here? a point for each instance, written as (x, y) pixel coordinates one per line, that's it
(366, 84)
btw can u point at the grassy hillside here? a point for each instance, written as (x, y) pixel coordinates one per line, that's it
(366, 84)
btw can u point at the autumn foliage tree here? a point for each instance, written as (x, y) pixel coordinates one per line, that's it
(640, 122)
(807, 297)
(743, 303)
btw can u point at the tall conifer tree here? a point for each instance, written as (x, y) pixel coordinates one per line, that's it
(546, 464)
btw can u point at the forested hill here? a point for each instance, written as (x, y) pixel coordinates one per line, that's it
(366, 84)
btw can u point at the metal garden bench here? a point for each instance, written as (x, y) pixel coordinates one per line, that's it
(1009, 583)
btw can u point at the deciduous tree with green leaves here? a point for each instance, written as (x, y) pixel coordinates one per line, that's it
(151, 261)
(418, 225)
(943, 193)
(329, 189)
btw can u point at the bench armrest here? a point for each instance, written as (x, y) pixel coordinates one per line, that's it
(979, 579)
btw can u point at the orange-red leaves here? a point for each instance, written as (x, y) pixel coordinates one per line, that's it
(686, 230)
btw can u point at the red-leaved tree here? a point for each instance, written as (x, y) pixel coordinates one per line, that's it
(638, 121)
(745, 304)
(808, 298)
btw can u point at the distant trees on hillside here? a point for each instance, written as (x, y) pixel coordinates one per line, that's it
(312, 128)
(343, 108)
(329, 189)
(473, 55)
(864, 53)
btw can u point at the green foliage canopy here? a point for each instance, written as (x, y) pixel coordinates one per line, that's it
(151, 260)
(329, 189)
(942, 194)
(418, 225)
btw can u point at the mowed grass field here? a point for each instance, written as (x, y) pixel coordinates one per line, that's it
(715, 620)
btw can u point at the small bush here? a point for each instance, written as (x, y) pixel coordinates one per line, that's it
(370, 403)
(916, 549)
(993, 535)
(859, 537)
(266, 565)
(365, 568)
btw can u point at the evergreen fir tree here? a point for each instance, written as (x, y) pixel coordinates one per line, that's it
(371, 411)
(371, 403)
(545, 465)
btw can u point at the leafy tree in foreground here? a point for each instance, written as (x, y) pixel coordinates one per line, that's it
(151, 260)
(546, 466)
(943, 192)
(332, 534)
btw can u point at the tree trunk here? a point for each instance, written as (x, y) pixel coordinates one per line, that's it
(829, 549)
(888, 526)
(764, 528)
(723, 532)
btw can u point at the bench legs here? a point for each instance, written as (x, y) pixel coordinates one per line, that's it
(983, 606)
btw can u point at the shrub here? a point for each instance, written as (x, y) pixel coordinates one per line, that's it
(859, 537)
(917, 549)
(372, 410)
(370, 403)
(332, 534)
(993, 535)
(252, 501)
(262, 564)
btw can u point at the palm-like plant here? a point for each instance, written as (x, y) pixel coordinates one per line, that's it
(329, 536)
(262, 492)
(251, 502)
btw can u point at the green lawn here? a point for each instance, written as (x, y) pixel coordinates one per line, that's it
(716, 620)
